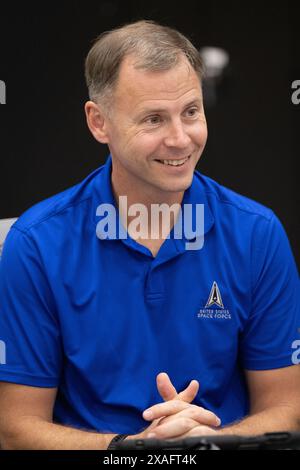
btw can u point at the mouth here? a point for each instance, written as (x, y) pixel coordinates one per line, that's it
(174, 162)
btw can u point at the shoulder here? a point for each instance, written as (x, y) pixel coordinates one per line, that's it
(225, 200)
(243, 222)
(59, 206)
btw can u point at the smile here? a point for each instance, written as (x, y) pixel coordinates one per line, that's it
(174, 162)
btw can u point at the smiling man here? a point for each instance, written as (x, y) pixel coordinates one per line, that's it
(109, 337)
(156, 131)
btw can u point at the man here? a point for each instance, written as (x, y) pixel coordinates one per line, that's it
(144, 335)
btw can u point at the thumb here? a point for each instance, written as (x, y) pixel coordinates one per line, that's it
(165, 387)
(190, 392)
(168, 392)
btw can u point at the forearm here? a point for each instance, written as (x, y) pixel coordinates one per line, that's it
(279, 418)
(32, 433)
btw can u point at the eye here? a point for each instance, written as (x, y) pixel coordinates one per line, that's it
(155, 119)
(192, 112)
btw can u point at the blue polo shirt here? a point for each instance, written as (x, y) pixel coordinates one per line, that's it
(100, 318)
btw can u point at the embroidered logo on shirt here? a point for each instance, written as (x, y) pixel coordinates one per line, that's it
(214, 298)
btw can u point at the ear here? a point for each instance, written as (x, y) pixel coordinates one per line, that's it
(96, 121)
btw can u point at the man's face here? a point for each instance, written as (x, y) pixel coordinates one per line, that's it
(157, 130)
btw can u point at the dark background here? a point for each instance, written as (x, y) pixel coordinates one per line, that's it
(254, 141)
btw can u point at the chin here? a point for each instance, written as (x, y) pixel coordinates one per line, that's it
(177, 188)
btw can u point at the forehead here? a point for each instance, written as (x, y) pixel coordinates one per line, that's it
(140, 87)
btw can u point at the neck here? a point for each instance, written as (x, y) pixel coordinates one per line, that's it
(138, 192)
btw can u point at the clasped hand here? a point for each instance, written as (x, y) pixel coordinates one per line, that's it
(177, 418)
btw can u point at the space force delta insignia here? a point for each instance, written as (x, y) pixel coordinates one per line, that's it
(214, 299)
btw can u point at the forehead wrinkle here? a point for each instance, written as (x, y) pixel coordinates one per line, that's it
(153, 105)
(140, 83)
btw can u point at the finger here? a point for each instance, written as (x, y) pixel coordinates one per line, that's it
(153, 425)
(165, 387)
(168, 392)
(164, 409)
(198, 414)
(200, 431)
(190, 392)
(174, 428)
(170, 408)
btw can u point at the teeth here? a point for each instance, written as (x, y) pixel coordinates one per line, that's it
(175, 162)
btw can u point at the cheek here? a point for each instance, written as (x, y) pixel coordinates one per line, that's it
(145, 144)
(199, 134)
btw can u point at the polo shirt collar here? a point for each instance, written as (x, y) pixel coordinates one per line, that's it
(195, 194)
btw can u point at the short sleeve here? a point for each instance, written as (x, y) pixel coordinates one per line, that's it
(274, 322)
(31, 351)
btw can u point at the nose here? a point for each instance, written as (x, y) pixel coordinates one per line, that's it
(177, 136)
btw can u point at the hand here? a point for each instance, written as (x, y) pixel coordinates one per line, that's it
(182, 420)
(177, 417)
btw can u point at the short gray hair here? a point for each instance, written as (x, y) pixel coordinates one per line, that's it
(155, 47)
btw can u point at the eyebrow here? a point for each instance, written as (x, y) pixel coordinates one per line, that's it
(196, 101)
